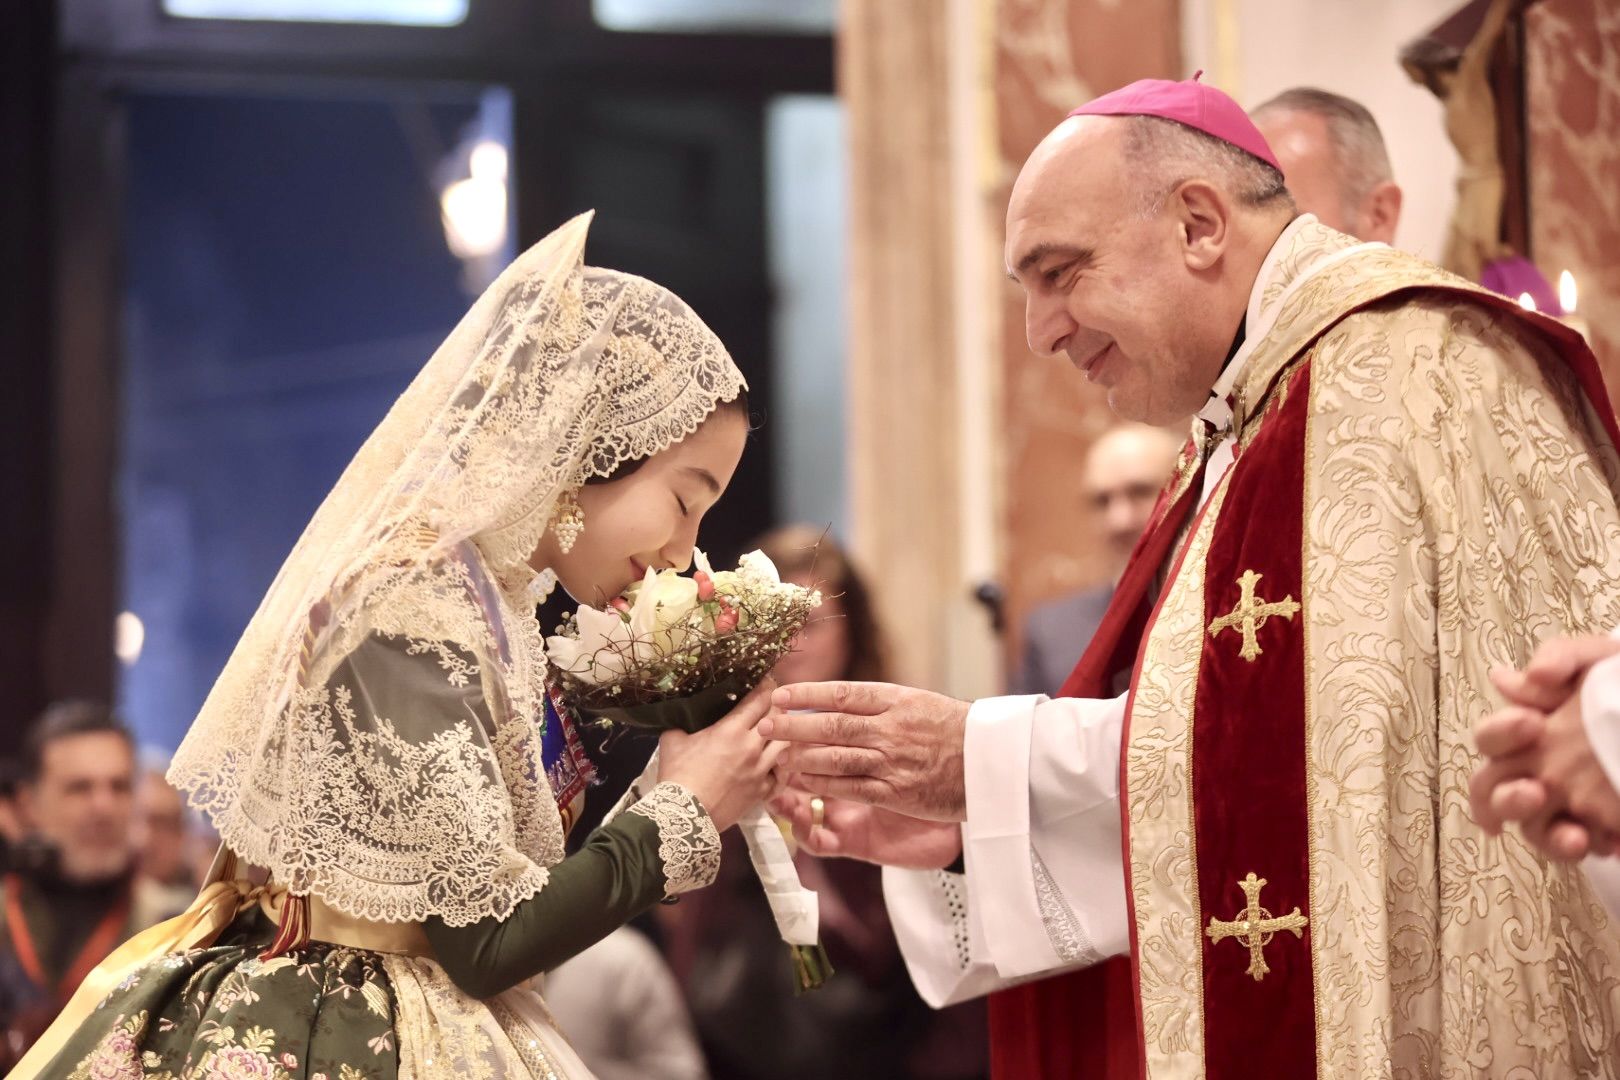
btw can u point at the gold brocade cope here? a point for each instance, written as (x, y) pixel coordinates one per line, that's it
(1255, 926)
(1251, 614)
(1433, 478)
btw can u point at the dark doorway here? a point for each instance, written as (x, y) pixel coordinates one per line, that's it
(661, 133)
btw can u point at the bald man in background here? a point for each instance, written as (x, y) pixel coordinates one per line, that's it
(1124, 470)
(1333, 157)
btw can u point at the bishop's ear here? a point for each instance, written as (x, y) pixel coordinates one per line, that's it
(1203, 221)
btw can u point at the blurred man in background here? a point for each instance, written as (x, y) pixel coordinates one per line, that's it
(163, 831)
(1123, 473)
(1333, 158)
(623, 1011)
(71, 894)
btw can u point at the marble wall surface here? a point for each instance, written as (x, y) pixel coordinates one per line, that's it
(1574, 101)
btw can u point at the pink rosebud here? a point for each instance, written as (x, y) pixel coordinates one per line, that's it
(288, 1061)
(705, 586)
(620, 604)
(726, 621)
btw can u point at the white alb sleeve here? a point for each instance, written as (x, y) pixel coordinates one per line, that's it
(1044, 888)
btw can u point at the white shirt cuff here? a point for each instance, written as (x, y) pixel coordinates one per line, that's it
(1041, 844)
(1600, 713)
(996, 837)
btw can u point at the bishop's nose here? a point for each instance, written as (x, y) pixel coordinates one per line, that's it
(1047, 326)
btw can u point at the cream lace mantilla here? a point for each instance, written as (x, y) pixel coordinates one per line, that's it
(375, 736)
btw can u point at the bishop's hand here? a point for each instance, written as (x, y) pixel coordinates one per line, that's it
(888, 746)
(852, 830)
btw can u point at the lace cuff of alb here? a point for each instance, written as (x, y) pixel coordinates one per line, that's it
(688, 843)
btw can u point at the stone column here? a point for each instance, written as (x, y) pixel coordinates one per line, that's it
(1052, 55)
(965, 449)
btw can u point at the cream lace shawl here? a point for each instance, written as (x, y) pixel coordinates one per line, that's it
(559, 372)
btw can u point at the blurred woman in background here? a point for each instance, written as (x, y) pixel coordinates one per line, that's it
(866, 1021)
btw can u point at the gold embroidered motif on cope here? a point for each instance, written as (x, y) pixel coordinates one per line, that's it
(1251, 614)
(1254, 926)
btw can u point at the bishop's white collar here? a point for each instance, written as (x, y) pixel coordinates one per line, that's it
(1257, 321)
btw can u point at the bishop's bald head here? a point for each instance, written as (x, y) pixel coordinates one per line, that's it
(1136, 229)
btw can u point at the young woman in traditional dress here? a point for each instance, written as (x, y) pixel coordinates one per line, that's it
(383, 746)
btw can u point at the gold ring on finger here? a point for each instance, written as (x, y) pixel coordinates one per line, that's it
(818, 811)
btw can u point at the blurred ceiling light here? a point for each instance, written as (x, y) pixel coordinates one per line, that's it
(1527, 301)
(394, 12)
(717, 16)
(129, 637)
(1567, 294)
(474, 208)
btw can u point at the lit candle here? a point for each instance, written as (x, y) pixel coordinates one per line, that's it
(1566, 300)
(1527, 301)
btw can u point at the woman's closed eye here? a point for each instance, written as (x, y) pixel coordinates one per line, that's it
(685, 510)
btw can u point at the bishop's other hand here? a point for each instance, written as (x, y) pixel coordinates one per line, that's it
(852, 830)
(888, 746)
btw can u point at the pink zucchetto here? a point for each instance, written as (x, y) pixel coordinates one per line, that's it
(1190, 102)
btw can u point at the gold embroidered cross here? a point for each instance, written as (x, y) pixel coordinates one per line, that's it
(1251, 614)
(1254, 926)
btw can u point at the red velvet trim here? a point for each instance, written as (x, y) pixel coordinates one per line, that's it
(1250, 811)
(1079, 1025)
(1572, 347)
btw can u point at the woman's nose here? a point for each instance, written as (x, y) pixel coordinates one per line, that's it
(677, 555)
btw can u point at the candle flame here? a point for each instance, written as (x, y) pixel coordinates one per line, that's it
(1527, 301)
(1566, 292)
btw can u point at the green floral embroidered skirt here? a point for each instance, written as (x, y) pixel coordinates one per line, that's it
(322, 1012)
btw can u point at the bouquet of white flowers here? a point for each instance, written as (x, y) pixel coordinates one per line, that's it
(679, 652)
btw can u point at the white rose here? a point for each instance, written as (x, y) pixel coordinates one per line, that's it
(564, 654)
(662, 600)
(601, 651)
(665, 604)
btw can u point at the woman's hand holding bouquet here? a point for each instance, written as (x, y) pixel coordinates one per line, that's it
(688, 657)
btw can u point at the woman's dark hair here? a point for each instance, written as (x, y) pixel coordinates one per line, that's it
(805, 551)
(737, 404)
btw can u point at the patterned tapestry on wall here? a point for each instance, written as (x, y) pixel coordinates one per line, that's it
(1573, 61)
(1052, 55)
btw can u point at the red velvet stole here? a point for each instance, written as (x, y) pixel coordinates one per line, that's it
(1248, 756)
(1085, 1024)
